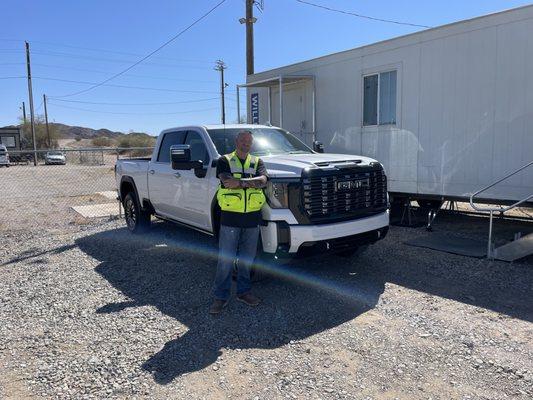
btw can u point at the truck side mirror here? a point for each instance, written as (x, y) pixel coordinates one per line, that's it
(318, 146)
(180, 155)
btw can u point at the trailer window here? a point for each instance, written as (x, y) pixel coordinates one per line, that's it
(379, 99)
(370, 112)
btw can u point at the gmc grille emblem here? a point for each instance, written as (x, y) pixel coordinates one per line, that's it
(358, 184)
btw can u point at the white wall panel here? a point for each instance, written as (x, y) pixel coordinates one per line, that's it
(464, 105)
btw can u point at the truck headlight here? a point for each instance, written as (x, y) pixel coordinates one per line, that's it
(277, 194)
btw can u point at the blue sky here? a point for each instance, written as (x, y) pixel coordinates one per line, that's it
(89, 41)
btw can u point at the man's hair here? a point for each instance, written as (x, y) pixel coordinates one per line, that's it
(243, 132)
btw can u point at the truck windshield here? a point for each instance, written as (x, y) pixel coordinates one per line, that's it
(267, 141)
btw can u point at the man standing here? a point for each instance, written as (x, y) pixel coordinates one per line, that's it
(240, 197)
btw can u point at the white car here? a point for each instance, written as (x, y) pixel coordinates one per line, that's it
(4, 156)
(315, 201)
(55, 157)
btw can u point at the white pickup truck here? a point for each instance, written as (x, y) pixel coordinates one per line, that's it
(315, 201)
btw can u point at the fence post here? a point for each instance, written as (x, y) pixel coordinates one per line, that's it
(118, 189)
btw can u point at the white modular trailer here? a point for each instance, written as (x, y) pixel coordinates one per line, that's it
(447, 111)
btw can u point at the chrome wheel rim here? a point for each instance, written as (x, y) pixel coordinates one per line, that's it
(131, 217)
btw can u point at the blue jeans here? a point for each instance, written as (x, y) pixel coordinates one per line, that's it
(235, 243)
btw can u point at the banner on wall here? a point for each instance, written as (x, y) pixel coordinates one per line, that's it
(255, 108)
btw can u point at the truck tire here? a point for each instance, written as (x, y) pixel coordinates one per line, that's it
(137, 220)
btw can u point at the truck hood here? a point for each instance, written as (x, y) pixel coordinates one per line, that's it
(291, 165)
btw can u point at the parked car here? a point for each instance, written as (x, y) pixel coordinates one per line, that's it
(4, 156)
(315, 201)
(55, 157)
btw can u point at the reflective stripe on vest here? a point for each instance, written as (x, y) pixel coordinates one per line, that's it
(249, 168)
(241, 200)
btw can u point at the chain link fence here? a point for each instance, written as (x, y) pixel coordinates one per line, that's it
(47, 188)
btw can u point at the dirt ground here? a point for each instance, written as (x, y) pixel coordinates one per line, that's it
(91, 311)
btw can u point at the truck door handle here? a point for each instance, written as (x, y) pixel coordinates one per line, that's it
(151, 172)
(177, 175)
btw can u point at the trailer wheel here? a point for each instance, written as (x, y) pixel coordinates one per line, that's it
(430, 204)
(137, 220)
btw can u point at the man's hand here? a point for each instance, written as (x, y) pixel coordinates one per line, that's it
(257, 183)
(232, 183)
(229, 181)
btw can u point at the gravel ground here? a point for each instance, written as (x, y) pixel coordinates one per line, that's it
(90, 311)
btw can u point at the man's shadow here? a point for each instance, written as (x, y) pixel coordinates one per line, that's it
(169, 269)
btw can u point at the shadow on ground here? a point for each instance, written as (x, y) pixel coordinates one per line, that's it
(172, 269)
(169, 270)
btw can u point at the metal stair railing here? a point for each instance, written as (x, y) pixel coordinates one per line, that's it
(500, 209)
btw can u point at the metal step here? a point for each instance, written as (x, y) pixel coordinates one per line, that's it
(516, 249)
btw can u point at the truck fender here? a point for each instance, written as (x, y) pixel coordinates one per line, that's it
(129, 183)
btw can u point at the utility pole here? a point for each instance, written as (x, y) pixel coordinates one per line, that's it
(250, 21)
(46, 120)
(24, 112)
(30, 93)
(221, 66)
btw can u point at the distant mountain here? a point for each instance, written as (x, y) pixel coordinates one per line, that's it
(73, 132)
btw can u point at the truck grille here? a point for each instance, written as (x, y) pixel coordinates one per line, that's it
(340, 195)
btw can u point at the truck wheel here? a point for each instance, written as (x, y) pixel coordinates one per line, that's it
(137, 220)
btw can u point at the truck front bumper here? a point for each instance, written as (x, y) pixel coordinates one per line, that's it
(280, 237)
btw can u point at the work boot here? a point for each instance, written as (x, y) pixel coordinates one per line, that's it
(217, 306)
(250, 299)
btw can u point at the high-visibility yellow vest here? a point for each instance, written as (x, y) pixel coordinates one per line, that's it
(241, 200)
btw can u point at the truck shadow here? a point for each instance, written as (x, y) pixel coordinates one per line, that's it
(170, 270)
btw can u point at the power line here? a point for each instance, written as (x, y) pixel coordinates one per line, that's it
(40, 105)
(131, 113)
(117, 86)
(122, 86)
(126, 53)
(138, 104)
(148, 55)
(84, 57)
(130, 75)
(104, 50)
(362, 16)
